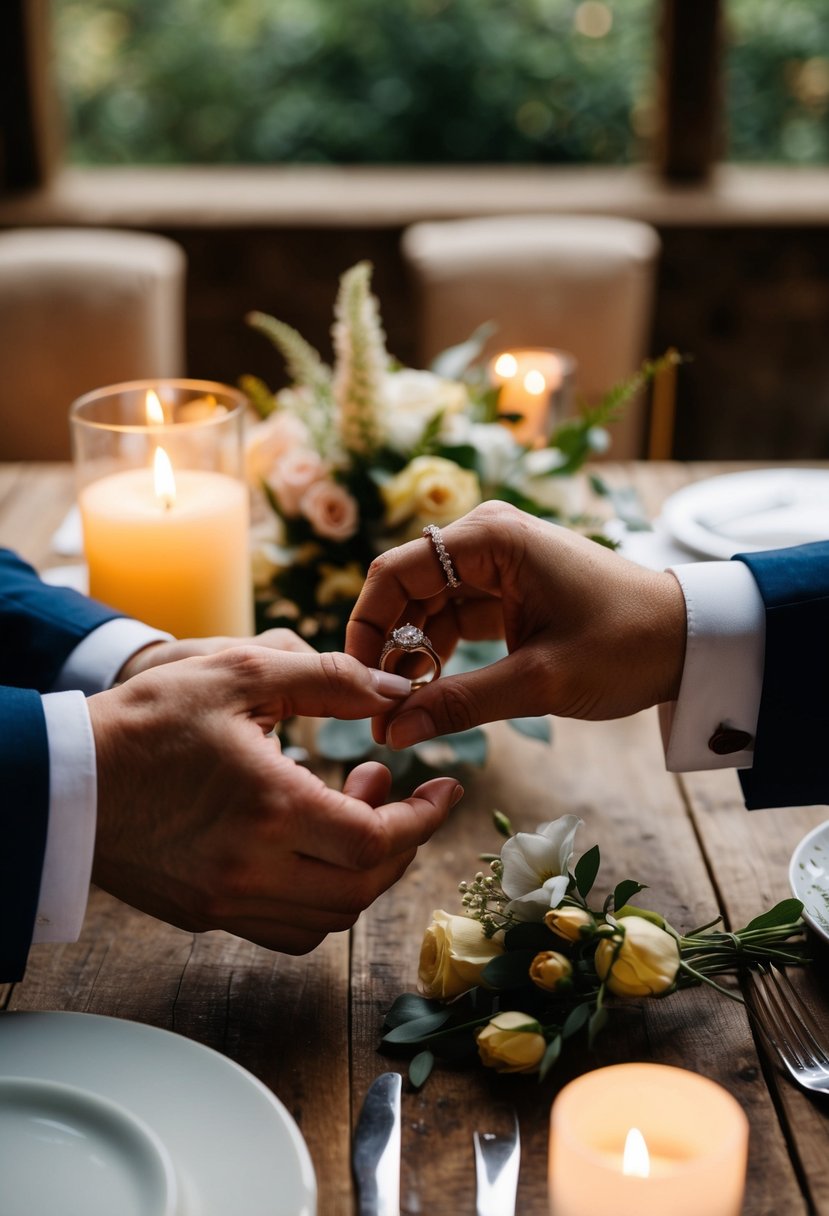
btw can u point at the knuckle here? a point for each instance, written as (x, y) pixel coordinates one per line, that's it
(457, 707)
(339, 669)
(370, 844)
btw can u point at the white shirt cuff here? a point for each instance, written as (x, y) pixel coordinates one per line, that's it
(95, 662)
(722, 679)
(70, 839)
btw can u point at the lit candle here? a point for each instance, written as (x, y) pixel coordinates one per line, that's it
(642, 1139)
(528, 380)
(169, 545)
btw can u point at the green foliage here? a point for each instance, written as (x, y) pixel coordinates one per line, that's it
(417, 81)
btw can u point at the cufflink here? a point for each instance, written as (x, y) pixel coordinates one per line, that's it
(726, 740)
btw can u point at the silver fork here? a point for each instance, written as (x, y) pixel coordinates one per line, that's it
(789, 1028)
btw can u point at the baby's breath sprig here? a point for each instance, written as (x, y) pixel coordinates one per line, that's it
(483, 899)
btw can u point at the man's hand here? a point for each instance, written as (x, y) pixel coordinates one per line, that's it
(204, 823)
(157, 653)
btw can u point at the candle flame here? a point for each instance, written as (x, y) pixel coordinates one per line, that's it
(506, 365)
(153, 409)
(535, 382)
(636, 1161)
(165, 482)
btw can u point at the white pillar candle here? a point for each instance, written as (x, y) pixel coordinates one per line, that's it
(695, 1132)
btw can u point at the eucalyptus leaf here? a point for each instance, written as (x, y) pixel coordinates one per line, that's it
(466, 747)
(420, 1068)
(784, 913)
(511, 970)
(453, 362)
(575, 1019)
(586, 869)
(418, 1028)
(409, 1006)
(339, 740)
(535, 728)
(550, 1057)
(596, 1025)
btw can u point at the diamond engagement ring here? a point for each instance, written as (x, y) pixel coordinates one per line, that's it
(433, 533)
(410, 640)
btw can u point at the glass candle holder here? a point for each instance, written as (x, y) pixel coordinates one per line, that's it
(695, 1136)
(164, 505)
(538, 384)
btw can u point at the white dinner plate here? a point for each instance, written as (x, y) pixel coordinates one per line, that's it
(745, 512)
(809, 878)
(233, 1145)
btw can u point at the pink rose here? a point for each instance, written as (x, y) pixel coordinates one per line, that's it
(330, 510)
(292, 475)
(267, 441)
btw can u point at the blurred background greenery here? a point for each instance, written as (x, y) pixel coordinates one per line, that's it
(418, 81)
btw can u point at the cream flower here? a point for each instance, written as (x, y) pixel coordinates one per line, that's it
(330, 510)
(432, 489)
(571, 924)
(266, 441)
(511, 1042)
(411, 399)
(339, 583)
(644, 964)
(292, 475)
(453, 955)
(535, 876)
(550, 970)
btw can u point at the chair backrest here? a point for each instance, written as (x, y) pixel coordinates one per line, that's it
(584, 284)
(81, 308)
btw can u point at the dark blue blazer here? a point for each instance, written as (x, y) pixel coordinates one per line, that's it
(791, 747)
(39, 628)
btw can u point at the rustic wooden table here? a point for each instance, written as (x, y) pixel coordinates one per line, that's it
(309, 1027)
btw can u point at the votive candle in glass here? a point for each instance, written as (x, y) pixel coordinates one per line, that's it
(164, 504)
(536, 384)
(695, 1133)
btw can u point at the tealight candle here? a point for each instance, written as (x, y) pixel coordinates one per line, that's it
(531, 382)
(642, 1139)
(164, 509)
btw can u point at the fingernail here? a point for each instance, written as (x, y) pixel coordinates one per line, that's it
(456, 796)
(388, 684)
(409, 728)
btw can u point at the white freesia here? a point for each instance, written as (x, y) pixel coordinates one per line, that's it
(411, 399)
(536, 864)
(562, 493)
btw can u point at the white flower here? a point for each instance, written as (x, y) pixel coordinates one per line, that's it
(411, 399)
(557, 492)
(498, 453)
(430, 489)
(360, 346)
(535, 874)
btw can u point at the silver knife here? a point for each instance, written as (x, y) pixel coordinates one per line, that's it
(497, 1158)
(376, 1151)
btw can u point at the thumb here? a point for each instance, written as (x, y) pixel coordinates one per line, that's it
(278, 685)
(504, 689)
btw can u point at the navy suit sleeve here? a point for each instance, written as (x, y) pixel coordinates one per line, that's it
(39, 628)
(39, 625)
(791, 760)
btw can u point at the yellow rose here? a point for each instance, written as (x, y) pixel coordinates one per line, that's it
(511, 1042)
(339, 583)
(647, 959)
(453, 955)
(430, 488)
(550, 970)
(569, 923)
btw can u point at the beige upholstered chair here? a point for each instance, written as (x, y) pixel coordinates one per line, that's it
(80, 308)
(584, 284)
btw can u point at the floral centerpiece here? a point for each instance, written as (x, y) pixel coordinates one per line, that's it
(533, 961)
(356, 457)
